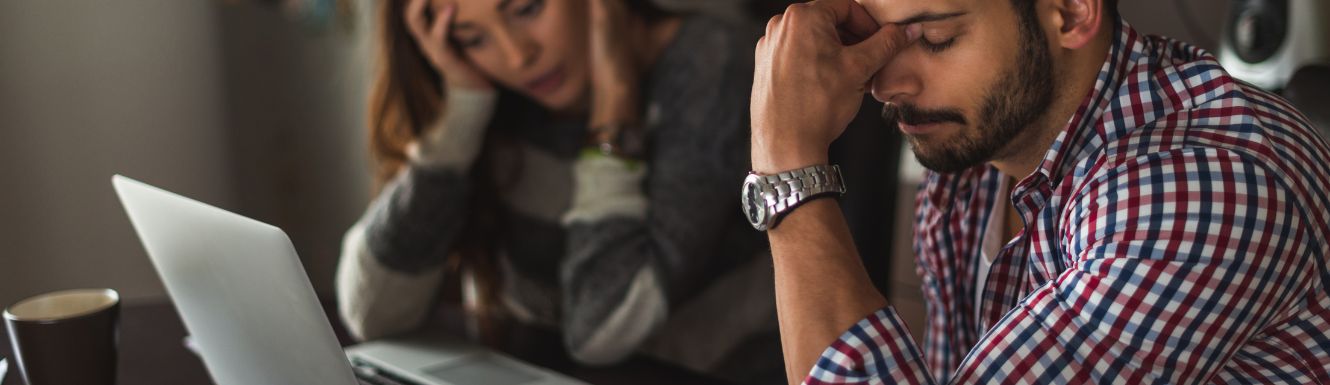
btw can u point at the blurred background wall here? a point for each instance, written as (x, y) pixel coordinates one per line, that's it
(88, 89)
(296, 107)
(234, 103)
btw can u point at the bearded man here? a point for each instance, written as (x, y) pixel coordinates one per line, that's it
(1102, 206)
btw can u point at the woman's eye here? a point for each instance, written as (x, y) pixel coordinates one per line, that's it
(471, 41)
(936, 47)
(531, 8)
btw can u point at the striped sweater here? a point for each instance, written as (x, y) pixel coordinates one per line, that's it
(617, 258)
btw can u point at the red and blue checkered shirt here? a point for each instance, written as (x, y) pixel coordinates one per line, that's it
(1176, 233)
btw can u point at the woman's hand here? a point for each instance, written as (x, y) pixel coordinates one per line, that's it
(455, 140)
(614, 68)
(432, 38)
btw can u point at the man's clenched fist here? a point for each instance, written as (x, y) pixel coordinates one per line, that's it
(808, 82)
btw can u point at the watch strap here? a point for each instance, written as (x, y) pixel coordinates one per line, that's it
(782, 192)
(793, 187)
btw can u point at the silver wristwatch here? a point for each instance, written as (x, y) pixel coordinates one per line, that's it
(767, 198)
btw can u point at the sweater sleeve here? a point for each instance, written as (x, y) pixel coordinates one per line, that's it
(391, 264)
(643, 237)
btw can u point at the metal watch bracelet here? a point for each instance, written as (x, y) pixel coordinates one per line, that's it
(768, 198)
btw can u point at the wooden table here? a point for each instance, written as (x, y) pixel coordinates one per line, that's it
(152, 352)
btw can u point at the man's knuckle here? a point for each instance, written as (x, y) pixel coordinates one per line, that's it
(798, 11)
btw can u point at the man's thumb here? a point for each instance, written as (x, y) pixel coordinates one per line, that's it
(869, 55)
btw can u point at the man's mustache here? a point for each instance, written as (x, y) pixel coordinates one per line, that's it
(894, 113)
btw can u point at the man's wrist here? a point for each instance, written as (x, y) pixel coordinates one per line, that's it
(810, 214)
(773, 161)
(765, 199)
(778, 148)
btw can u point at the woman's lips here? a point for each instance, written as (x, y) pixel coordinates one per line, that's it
(547, 83)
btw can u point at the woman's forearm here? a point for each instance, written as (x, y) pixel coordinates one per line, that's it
(392, 259)
(375, 301)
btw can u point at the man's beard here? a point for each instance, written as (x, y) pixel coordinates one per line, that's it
(1019, 98)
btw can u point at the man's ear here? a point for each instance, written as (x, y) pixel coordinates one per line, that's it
(1077, 21)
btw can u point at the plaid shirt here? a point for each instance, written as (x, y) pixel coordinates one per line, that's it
(1177, 233)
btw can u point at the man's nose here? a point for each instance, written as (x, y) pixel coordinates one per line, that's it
(895, 82)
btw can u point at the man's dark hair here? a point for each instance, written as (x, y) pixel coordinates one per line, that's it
(1109, 5)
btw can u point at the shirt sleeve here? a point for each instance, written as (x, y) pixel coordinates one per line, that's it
(1182, 259)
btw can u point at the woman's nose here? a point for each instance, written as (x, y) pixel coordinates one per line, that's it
(520, 50)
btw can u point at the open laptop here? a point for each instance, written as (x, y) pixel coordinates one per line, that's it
(254, 317)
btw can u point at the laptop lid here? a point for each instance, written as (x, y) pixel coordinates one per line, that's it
(240, 289)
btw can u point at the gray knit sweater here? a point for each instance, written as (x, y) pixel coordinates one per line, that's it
(682, 277)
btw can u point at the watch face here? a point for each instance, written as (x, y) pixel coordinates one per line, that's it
(753, 205)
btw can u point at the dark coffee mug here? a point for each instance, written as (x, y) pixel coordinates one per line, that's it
(66, 337)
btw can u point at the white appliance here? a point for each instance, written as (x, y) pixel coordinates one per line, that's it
(1266, 42)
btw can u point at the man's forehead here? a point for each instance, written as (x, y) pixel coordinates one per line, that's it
(907, 11)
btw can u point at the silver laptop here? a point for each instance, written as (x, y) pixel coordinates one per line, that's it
(254, 318)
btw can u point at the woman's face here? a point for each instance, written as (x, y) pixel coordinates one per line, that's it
(538, 48)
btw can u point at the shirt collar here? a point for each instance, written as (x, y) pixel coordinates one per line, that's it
(1083, 136)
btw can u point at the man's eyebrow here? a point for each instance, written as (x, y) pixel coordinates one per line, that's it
(928, 16)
